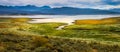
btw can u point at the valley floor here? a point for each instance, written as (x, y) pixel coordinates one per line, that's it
(44, 37)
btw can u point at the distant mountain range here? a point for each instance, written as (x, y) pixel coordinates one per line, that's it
(115, 9)
(46, 10)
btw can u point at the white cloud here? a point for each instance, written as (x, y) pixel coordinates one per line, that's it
(111, 6)
(88, 1)
(44, 2)
(59, 3)
(105, 7)
(116, 0)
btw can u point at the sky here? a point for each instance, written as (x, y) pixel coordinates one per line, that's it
(96, 4)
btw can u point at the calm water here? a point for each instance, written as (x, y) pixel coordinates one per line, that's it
(62, 18)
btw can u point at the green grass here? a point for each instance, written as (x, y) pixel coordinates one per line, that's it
(106, 27)
(97, 32)
(43, 37)
(45, 28)
(104, 32)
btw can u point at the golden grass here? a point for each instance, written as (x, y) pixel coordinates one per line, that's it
(100, 21)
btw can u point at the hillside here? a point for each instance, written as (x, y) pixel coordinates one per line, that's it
(16, 35)
(19, 41)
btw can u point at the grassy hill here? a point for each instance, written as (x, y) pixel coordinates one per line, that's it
(43, 37)
(20, 41)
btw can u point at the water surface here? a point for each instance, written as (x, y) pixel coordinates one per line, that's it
(61, 18)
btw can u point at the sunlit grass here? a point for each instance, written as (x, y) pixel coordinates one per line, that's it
(112, 20)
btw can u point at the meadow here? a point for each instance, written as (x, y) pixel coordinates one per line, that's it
(17, 35)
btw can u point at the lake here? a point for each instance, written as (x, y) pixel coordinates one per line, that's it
(61, 18)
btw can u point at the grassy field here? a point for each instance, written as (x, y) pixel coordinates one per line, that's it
(21, 36)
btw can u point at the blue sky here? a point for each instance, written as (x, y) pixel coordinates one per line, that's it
(97, 4)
